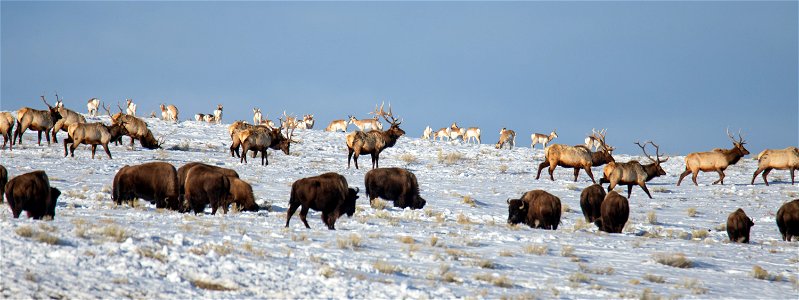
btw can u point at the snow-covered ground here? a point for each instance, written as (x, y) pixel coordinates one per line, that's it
(450, 249)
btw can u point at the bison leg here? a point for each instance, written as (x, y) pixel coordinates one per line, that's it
(105, 146)
(292, 208)
(687, 171)
(326, 219)
(540, 167)
(303, 214)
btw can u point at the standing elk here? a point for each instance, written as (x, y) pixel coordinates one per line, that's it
(130, 107)
(506, 137)
(156, 182)
(717, 160)
(68, 117)
(234, 130)
(7, 129)
(738, 226)
(632, 172)
(93, 134)
(473, 133)
(261, 138)
(576, 157)
(615, 212)
(373, 142)
(169, 112)
(137, 130)
(256, 116)
(543, 139)
(218, 114)
(780, 159)
(92, 106)
(427, 133)
(328, 193)
(537, 209)
(32, 192)
(39, 120)
(788, 220)
(337, 125)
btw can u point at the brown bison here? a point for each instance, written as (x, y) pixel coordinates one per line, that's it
(156, 182)
(788, 220)
(738, 226)
(591, 202)
(242, 195)
(615, 213)
(205, 185)
(3, 181)
(32, 192)
(328, 193)
(396, 184)
(537, 209)
(184, 170)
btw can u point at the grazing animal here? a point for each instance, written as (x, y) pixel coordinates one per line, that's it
(32, 192)
(256, 139)
(373, 142)
(93, 134)
(184, 170)
(68, 117)
(208, 118)
(633, 172)
(788, 220)
(205, 185)
(242, 196)
(337, 125)
(130, 107)
(543, 139)
(442, 134)
(7, 128)
(169, 112)
(615, 212)
(576, 157)
(717, 160)
(738, 226)
(456, 132)
(427, 133)
(137, 130)
(234, 130)
(780, 159)
(306, 122)
(38, 120)
(156, 182)
(506, 137)
(3, 181)
(218, 114)
(328, 193)
(395, 184)
(473, 133)
(537, 209)
(591, 202)
(92, 106)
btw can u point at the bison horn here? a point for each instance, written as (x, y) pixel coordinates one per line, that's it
(523, 204)
(357, 189)
(507, 201)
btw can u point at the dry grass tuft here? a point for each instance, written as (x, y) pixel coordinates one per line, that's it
(677, 260)
(449, 158)
(572, 187)
(352, 242)
(699, 234)
(696, 286)
(434, 241)
(579, 278)
(385, 268)
(651, 217)
(326, 271)
(564, 208)
(47, 238)
(654, 278)
(464, 220)
(496, 280)
(485, 264)
(24, 231)
(406, 239)
(691, 212)
(379, 204)
(408, 158)
(503, 168)
(567, 251)
(115, 232)
(211, 285)
(536, 249)
(598, 271)
(506, 253)
(469, 201)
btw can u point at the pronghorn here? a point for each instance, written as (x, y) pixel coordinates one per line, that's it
(442, 134)
(169, 112)
(218, 114)
(716, 160)
(209, 118)
(592, 141)
(131, 107)
(306, 122)
(427, 133)
(256, 116)
(367, 124)
(337, 125)
(456, 132)
(472, 133)
(93, 105)
(289, 121)
(506, 136)
(199, 117)
(540, 138)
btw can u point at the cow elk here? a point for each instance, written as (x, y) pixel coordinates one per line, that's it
(32, 192)
(7, 129)
(130, 107)
(615, 212)
(537, 209)
(506, 137)
(169, 112)
(543, 139)
(780, 159)
(717, 160)
(788, 220)
(328, 193)
(473, 133)
(739, 226)
(632, 172)
(92, 106)
(260, 138)
(38, 120)
(373, 142)
(68, 117)
(576, 157)
(337, 125)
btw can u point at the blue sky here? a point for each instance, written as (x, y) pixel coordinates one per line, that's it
(675, 72)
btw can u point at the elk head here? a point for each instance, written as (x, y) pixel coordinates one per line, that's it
(394, 130)
(54, 113)
(739, 143)
(657, 160)
(600, 137)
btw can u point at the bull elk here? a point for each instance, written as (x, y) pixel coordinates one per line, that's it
(169, 112)
(632, 172)
(7, 128)
(337, 125)
(92, 106)
(717, 160)
(543, 139)
(130, 107)
(39, 120)
(506, 137)
(68, 117)
(93, 134)
(373, 142)
(577, 157)
(137, 130)
(780, 159)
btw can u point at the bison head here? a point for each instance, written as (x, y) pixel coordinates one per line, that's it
(418, 202)
(517, 211)
(54, 194)
(349, 203)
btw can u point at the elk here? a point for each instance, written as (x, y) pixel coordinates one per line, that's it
(442, 134)
(540, 138)
(218, 114)
(780, 159)
(92, 106)
(577, 157)
(337, 125)
(593, 140)
(39, 120)
(373, 142)
(472, 133)
(632, 172)
(130, 107)
(93, 134)
(234, 130)
(68, 117)
(169, 112)
(306, 123)
(7, 128)
(256, 116)
(137, 130)
(427, 133)
(506, 136)
(260, 138)
(717, 160)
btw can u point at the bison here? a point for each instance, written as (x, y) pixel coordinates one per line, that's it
(205, 185)
(184, 170)
(242, 195)
(328, 193)
(3, 181)
(537, 209)
(591, 202)
(156, 182)
(396, 184)
(788, 220)
(615, 212)
(738, 226)
(32, 192)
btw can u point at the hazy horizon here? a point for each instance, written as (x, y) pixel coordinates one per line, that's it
(678, 73)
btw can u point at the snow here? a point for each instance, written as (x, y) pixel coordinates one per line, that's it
(449, 249)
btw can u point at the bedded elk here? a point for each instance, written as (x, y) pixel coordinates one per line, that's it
(788, 220)
(543, 139)
(780, 159)
(373, 142)
(717, 160)
(205, 185)
(615, 212)
(738, 226)
(32, 192)
(576, 157)
(473, 133)
(130, 107)
(92, 106)
(506, 137)
(537, 209)
(632, 172)
(156, 182)
(394, 184)
(93, 134)
(38, 120)
(169, 112)
(137, 130)
(337, 125)
(68, 117)
(328, 193)
(3, 181)
(591, 202)
(7, 129)
(218, 114)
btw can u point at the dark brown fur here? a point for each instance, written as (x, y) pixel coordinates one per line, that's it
(615, 213)
(788, 220)
(184, 170)
(205, 185)
(3, 181)
(591, 202)
(32, 192)
(395, 184)
(242, 195)
(156, 182)
(328, 193)
(738, 226)
(373, 142)
(537, 209)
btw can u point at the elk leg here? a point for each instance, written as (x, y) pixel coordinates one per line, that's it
(73, 147)
(540, 167)
(687, 171)
(94, 149)
(646, 190)
(721, 176)
(357, 153)
(693, 177)
(755, 175)
(576, 173)
(374, 160)
(765, 175)
(629, 190)
(40, 138)
(590, 174)
(244, 155)
(57, 128)
(349, 156)
(792, 175)
(292, 208)
(105, 146)
(303, 214)
(264, 157)
(552, 171)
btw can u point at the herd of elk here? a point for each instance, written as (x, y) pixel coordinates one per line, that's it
(716, 160)
(373, 142)
(576, 157)
(543, 139)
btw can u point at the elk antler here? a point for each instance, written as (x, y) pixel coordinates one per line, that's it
(600, 136)
(657, 152)
(379, 111)
(390, 114)
(45, 102)
(120, 108)
(740, 138)
(107, 109)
